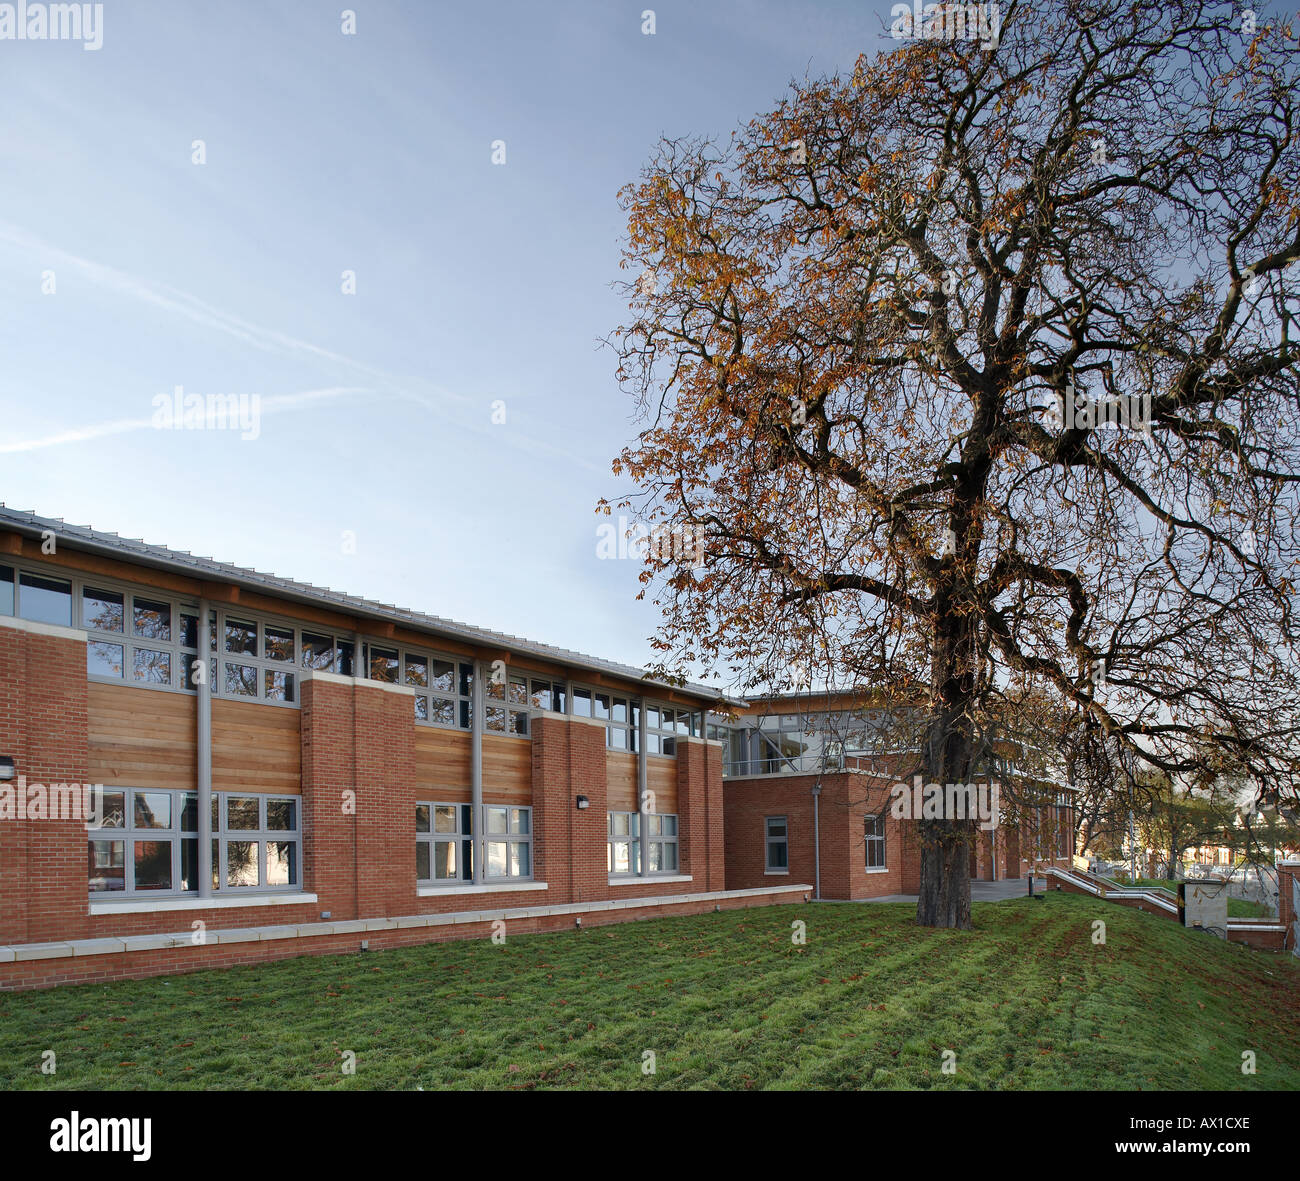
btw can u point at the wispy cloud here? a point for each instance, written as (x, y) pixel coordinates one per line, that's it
(428, 395)
(274, 404)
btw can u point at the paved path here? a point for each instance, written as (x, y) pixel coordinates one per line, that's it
(979, 892)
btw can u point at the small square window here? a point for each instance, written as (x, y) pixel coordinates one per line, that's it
(102, 611)
(151, 620)
(279, 644)
(241, 638)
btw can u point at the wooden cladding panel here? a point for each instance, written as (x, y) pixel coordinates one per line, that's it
(441, 763)
(661, 778)
(140, 737)
(255, 748)
(620, 779)
(507, 770)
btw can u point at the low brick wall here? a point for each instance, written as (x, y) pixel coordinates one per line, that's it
(32, 966)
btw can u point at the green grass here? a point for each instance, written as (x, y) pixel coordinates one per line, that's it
(726, 1000)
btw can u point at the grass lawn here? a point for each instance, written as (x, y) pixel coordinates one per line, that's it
(723, 1000)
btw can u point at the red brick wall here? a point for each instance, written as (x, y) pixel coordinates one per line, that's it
(846, 799)
(701, 843)
(570, 853)
(43, 727)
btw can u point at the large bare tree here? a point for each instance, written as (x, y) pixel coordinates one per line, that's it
(976, 368)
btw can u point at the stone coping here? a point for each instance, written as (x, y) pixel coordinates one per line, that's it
(180, 940)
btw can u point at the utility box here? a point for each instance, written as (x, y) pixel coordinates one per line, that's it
(1204, 904)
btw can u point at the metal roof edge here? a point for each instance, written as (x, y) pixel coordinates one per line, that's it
(82, 537)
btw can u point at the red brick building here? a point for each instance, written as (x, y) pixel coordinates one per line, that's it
(808, 791)
(336, 775)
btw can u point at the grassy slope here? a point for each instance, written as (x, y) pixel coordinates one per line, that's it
(724, 1000)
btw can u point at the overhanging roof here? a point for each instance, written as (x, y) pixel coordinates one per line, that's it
(143, 553)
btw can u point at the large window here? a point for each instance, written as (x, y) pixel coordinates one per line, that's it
(778, 844)
(442, 685)
(444, 848)
(148, 844)
(505, 704)
(664, 725)
(145, 639)
(621, 715)
(548, 695)
(661, 844)
(624, 843)
(507, 842)
(874, 838)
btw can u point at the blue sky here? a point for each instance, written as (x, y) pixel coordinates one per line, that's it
(474, 282)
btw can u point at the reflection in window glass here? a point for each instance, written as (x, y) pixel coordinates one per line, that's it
(153, 809)
(417, 671)
(241, 863)
(279, 643)
(281, 863)
(241, 812)
(318, 652)
(281, 816)
(241, 680)
(102, 611)
(152, 621)
(152, 667)
(442, 676)
(384, 665)
(6, 590)
(107, 868)
(45, 600)
(241, 638)
(153, 865)
(103, 659)
(279, 685)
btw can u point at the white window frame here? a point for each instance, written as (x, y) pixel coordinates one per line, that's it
(874, 837)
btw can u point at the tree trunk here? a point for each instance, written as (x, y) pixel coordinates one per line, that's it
(945, 874)
(946, 843)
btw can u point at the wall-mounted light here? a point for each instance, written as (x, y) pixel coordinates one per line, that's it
(7, 771)
(583, 802)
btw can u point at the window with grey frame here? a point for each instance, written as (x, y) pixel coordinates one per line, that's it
(444, 844)
(777, 836)
(546, 694)
(441, 684)
(144, 638)
(147, 843)
(507, 842)
(620, 713)
(624, 843)
(665, 724)
(505, 702)
(661, 843)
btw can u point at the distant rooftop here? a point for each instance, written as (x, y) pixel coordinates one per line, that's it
(81, 537)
